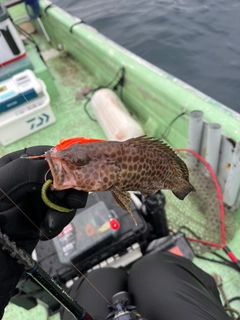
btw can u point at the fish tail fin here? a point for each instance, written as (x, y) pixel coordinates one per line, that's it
(183, 189)
(123, 199)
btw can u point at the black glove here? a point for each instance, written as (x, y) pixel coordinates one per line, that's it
(23, 214)
(21, 179)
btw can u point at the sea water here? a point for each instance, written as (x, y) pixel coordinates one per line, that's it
(196, 41)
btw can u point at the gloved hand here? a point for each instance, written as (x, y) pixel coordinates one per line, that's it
(23, 215)
(22, 210)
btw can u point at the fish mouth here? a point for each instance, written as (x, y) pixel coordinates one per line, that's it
(62, 177)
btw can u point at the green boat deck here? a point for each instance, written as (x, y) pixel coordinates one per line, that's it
(66, 76)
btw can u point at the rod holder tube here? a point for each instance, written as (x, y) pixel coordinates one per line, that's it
(213, 141)
(194, 136)
(225, 159)
(232, 185)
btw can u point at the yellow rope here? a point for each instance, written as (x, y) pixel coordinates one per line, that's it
(49, 203)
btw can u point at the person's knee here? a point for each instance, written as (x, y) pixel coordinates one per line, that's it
(160, 281)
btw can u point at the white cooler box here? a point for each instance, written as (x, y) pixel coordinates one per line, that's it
(27, 118)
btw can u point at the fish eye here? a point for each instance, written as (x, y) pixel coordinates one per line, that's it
(81, 161)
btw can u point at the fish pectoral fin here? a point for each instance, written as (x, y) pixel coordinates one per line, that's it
(123, 199)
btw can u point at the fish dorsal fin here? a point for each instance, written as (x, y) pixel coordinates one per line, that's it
(150, 143)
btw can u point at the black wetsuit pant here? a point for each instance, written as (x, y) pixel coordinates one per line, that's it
(163, 287)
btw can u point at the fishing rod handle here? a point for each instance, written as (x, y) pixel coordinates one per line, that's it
(55, 290)
(34, 270)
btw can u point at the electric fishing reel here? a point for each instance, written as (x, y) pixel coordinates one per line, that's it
(122, 310)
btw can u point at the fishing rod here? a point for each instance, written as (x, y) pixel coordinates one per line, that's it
(120, 308)
(34, 270)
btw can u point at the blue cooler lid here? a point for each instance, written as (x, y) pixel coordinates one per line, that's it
(3, 12)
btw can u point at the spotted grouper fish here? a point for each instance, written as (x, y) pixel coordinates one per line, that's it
(138, 164)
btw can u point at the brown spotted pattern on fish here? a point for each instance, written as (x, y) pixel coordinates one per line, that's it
(139, 164)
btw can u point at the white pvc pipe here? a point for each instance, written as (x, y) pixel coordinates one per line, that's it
(213, 145)
(232, 185)
(225, 159)
(194, 136)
